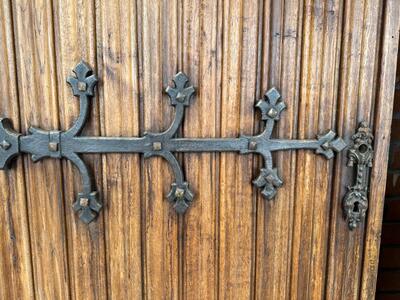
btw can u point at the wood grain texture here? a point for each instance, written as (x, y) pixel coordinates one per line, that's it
(75, 32)
(356, 92)
(202, 60)
(159, 56)
(317, 108)
(119, 98)
(236, 201)
(37, 84)
(385, 93)
(281, 46)
(333, 62)
(16, 278)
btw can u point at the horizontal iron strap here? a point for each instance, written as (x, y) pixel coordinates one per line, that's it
(144, 144)
(41, 144)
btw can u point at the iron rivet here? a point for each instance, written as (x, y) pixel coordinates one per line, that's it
(84, 202)
(5, 145)
(53, 146)
(270, 178)
(180, 97)
(179, 193)
(326, 145)
(157, 146)
(272, 113)
(82, 86)
(253, 145)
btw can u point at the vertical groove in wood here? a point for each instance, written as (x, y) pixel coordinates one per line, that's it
(119, 99)
(75, 35)
(16, 277)
(180, 46)
(39, 107)
(275, 218)
(159, 59)
(139, 45)
(248, 97)
(201, 50)
(384, 107)
(311, 215)
(231, 243)
(323, 169)
(236, 207)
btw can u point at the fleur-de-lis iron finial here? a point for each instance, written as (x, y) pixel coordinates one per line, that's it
(270, 107)
(70, 145)
(84, 82)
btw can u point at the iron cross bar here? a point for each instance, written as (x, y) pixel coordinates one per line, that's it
(69, 144)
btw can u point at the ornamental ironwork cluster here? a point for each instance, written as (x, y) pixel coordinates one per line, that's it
(70, 144)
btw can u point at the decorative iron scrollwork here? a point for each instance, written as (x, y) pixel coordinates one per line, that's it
(69, 144)
(355, 203)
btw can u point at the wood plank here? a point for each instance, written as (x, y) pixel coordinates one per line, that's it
(384, 104)
(37, 85)
(231, 242)
(159, 56)
(344, 255)
(328, 91)
(202, 63)
(119, 107)
(16, 278)
(319, 63)
(76, 36)
(236, 203)
(280, 68)
(357, 86)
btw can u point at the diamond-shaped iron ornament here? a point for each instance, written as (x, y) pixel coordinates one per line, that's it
(70, 145)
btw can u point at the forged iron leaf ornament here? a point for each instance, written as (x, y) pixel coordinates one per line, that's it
(271, 108)
(84, 81)
(269, 181)
(70, 145)
(180, 196)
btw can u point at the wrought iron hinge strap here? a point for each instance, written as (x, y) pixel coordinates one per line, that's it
(69, 144)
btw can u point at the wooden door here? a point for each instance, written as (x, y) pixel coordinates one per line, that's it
(333, 62)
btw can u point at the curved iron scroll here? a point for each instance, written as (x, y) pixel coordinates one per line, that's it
(69, 144)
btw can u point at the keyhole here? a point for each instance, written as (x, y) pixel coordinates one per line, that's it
(356, 207)
(363, 148)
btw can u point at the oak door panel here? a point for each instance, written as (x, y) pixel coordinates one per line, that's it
(38, 103)
(16, 278)
(75, 31)
(333, 63)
